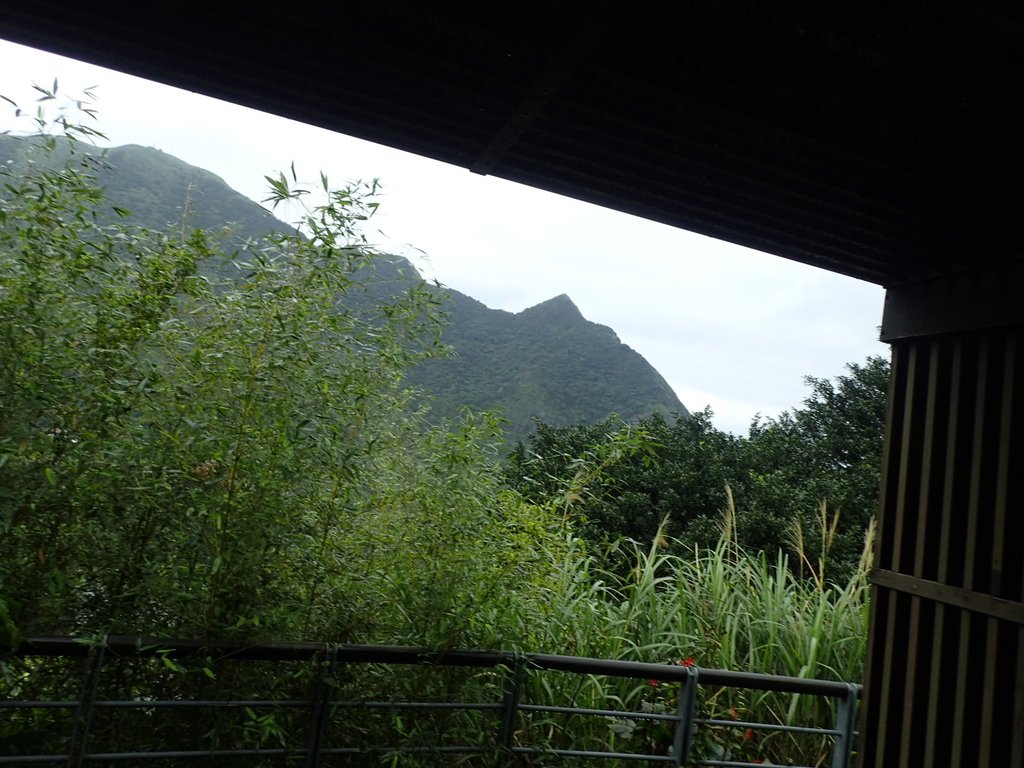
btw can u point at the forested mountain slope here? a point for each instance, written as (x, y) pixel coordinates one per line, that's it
(547, 362)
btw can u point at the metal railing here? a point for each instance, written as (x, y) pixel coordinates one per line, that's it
(317, 725)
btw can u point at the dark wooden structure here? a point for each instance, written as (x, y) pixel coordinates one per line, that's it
(879, 140)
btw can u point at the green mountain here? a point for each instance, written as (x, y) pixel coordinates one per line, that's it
(160, 190)
(546, 362)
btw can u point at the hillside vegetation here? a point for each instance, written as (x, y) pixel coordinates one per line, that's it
(203, 441)
(804, 482)
(547, 362)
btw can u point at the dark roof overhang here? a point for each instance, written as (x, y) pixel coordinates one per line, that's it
(881, 141)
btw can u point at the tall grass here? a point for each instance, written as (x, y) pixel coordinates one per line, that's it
(721, 608)
(724, 608)
(716, 608)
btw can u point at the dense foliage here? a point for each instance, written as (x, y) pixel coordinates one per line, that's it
(674, 480)
(228, 451)
(547, 362)
(660, 469)
(829, 451)
(199, 440)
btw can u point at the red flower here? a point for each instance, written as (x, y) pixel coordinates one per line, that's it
(687, 662)
(748, 734)
(654, 683)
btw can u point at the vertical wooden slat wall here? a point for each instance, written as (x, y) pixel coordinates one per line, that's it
(945, 677)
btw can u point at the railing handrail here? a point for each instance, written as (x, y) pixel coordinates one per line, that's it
(514, 666)
(139, 646)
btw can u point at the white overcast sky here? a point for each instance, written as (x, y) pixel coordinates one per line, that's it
(726, 326)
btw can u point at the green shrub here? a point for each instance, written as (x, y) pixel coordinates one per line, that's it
(211, 441)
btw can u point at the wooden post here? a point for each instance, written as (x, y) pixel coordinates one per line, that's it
(946, 653)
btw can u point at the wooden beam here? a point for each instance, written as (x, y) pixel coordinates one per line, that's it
(1006, 610)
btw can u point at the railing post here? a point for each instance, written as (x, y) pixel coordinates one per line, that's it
(685, 712)
(320, 706)
(509, 709)
(83, 713)
(846, 722)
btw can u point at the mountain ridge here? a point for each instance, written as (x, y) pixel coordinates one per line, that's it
(545, 362)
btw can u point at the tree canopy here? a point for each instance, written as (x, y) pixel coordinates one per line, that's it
(205, 441)
(673, 481)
